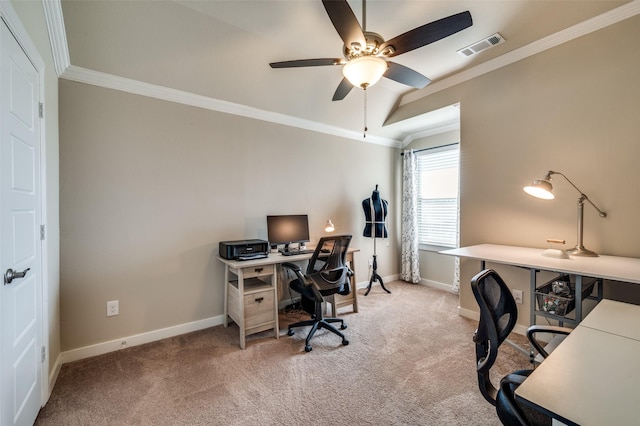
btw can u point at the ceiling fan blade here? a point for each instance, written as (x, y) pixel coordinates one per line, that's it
(343, 90)
(307, 63)
(345, 22)
(427, 33)
(404, 75)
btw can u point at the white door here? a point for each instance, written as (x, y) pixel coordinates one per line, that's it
(20, 246)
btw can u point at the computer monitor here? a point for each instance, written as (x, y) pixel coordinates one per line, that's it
(287, 229)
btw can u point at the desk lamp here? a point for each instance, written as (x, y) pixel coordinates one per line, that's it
(329, 226)
(542, 188)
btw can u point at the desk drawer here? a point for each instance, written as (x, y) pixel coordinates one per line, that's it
(258, 271)
(259, 308)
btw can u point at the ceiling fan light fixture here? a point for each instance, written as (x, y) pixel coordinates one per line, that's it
(364, 71)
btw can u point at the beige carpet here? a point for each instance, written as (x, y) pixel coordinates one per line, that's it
(410, 362)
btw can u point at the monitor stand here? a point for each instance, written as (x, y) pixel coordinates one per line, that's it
(286, 248)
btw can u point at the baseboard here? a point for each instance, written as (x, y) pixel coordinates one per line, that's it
(437, 284)
(152, 336)
(139, 339)
(467, 313)
(54, 373)
(387, 279)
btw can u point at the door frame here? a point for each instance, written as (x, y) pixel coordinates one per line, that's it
(15, 26)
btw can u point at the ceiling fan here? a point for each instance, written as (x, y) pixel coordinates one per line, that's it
(366, 54)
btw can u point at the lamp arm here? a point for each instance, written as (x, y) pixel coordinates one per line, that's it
(583, 196)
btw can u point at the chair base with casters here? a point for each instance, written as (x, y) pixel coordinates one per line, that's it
(326, 275)
(317, 322)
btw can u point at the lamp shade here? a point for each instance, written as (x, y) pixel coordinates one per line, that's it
(329, 226)
(540, 188)
(364, 71)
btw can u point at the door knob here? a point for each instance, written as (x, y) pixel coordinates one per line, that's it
(11, 274)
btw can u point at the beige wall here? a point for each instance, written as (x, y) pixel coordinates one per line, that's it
(31, 15)
(573, 108)
(149, 188)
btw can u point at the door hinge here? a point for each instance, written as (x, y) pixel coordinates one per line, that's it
(44, 354)
(42, 232)
(41, 110)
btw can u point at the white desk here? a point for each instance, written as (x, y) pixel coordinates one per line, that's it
(592, 378)
(624, 269)
(615, 318)
(251, 292)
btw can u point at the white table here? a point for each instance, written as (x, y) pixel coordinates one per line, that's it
(615, 318)
(624, 269)
(592, 378)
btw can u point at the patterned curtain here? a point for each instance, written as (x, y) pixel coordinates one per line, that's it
(410, 255)
(455, 288)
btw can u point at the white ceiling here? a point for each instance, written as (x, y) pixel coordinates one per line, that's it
(220, 50)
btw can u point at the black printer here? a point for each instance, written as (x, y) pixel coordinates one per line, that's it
(244, 249)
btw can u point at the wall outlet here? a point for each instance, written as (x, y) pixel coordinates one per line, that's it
(371, 263)
(113, 308)
(517, 294)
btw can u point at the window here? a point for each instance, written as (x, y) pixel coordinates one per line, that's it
(438, 196)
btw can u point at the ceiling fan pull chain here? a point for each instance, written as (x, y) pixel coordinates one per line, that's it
(365, 113)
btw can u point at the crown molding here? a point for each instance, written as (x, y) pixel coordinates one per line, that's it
(57, 35)
(431, 131)
(109, 81)
(614, 16)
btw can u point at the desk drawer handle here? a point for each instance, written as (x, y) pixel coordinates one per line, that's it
(258, 270)
(259, 299)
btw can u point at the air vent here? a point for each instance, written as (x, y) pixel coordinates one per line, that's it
(481, 45)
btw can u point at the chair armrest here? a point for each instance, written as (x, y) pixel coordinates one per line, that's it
(298, 271)
(513, 379)
(544, 329)
(509, 411)
(291, 266)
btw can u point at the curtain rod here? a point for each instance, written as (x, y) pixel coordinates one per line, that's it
(433, 147)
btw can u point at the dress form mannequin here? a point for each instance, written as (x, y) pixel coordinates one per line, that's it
(375, 212)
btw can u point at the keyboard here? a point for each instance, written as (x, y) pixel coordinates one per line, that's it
(294, 252)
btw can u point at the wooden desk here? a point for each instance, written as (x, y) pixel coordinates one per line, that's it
(624, 269)
(251, 292)
(592, 378)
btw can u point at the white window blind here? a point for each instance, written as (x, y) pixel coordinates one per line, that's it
(438, 196)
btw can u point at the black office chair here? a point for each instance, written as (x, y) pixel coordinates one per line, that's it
(327, 274)
(498, 316)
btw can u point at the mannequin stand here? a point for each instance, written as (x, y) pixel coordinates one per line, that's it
(374, 273)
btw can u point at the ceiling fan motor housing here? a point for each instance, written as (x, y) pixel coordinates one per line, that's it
(372, 48)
